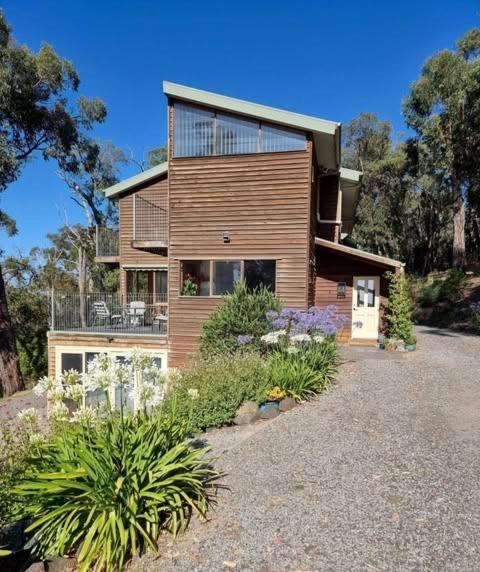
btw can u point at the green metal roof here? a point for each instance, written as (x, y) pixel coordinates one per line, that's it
(136, 180)
(242, 107)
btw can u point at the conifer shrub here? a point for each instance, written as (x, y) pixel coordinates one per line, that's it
(398, 315)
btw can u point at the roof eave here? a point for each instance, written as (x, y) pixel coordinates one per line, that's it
(375, 258)
(136, 180)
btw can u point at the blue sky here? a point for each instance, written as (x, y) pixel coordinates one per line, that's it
(329, 59)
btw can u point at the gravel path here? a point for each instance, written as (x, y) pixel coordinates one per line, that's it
(381, 473)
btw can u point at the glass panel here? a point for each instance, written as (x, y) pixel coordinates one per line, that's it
(72, 361)
(225, 275)
(277, 139)
(236, 135)
(196, 278)
(260, 273)
(93, 398)
(158, 362)
(122, 393)
(371, 293)
(360, 293)
(161, 284)
(193, 131)
(137, 282)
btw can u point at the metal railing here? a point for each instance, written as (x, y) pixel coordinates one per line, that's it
(110, 313)
(151, 220)
(106, 241)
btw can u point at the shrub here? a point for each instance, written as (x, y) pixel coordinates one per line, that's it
(475, 310)
(293, 375)
(240, 317)
(106, 489)
(18, 442)
(448, 289)
(398, 309)
(209, 393)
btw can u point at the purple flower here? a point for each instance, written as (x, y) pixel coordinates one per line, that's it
(244, 339)
(312, 321)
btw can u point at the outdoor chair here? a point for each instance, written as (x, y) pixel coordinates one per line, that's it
(103, 313)
(136, 312)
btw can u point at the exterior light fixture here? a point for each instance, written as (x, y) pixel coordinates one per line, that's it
(226, 237)
(341, 289)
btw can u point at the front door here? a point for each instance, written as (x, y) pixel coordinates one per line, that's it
(365, 307)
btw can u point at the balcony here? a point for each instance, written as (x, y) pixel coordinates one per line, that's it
(111, 313)
(107, 250)
(150, 223)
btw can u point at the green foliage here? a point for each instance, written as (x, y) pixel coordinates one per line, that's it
(209, 393)
(241, 313)
(304, 370)
(16, 447)
(157, 156)
(398, 309)
(448, 289)
(107, 490)
(189, 288)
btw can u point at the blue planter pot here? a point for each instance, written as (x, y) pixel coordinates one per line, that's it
(269, 405)
(410, 347)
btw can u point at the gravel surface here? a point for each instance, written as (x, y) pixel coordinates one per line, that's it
(10, 406)
(380, 473)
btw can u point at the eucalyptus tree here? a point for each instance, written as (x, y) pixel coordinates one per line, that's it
(444, 110)
(37, 117)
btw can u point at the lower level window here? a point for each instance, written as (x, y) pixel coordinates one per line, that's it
(218, 277)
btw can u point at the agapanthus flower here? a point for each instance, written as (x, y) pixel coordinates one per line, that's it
(273, 337)
(193, 393)
(300, 339)
(85, 415)
(244, 339)
(70, 377)
(75, 392)
(318, 338)
(59, 412)
(45, 385)
(139, 359)
(28, 416)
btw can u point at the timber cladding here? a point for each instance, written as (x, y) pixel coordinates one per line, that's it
(332, 268)
(152, 192)
(262, 201)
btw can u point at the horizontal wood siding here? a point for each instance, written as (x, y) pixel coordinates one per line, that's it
(263, 201)
(331, 269)
(75, 341)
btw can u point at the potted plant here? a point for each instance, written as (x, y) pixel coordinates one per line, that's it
(410, 344)
(392, 344)
(273, 397)
(189, 286)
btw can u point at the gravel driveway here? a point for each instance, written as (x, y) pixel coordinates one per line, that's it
(381, 473)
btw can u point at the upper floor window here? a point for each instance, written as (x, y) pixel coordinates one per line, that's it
(201, 132)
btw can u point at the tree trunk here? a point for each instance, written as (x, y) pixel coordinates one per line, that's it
(10, 377)
(459, 256)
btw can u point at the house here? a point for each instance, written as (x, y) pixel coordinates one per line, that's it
(248, 192)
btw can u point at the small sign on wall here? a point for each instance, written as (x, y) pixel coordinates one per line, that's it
(341, 290)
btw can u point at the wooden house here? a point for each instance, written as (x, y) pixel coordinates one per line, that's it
(248, 192)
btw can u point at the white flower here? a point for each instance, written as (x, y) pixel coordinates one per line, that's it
(273, 337)
(148, 395)
(140, 359)
(29, 415)
(318, 338)
(57, 393)
(193, 393)
(44, 385)
(75, 392)
(70, 377)
(85, 415)
(292, 350)
(301, 339)
(59, 412)
(37, 439)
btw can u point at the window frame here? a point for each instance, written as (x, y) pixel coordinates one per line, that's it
(117, 352)
(212, 261)
(260, 123)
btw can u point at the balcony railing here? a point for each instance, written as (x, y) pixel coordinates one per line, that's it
(110, 313)
(151, 221)
(106, 242)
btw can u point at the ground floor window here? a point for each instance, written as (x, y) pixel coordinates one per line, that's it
(79, 360)
(218, 277)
